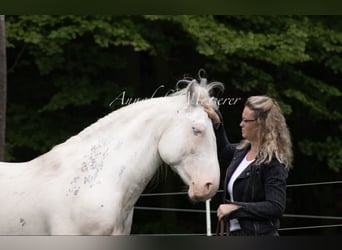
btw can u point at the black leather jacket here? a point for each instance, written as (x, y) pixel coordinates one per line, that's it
(260, 190)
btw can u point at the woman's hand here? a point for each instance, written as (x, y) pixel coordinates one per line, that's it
(211, 113)
(225, 209)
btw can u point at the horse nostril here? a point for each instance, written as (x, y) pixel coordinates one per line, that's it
(208, 186)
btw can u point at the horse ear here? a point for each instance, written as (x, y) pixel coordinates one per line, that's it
(192, 93)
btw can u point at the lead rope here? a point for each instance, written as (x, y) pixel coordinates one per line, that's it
(222, 228)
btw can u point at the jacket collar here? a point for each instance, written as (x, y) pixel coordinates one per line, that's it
(237, 158)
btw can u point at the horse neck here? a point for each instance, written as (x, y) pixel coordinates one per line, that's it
(123, 146)
(135, 156)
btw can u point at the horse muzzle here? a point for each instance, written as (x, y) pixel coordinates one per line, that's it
(202, 191)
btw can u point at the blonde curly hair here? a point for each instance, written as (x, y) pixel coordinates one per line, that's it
(273, 133)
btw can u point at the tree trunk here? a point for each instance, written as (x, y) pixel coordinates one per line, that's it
(3, 86)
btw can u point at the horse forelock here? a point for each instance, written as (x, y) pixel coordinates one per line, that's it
(202, 89)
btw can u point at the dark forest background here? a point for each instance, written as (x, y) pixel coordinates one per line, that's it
(63, 72)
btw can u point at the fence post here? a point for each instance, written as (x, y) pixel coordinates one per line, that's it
(207, 208)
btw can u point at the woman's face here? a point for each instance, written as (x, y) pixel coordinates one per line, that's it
(249, 125)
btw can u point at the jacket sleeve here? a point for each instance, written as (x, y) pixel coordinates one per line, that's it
(273, 206)
(225, 150)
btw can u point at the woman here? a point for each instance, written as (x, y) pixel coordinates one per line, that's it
(255, 183)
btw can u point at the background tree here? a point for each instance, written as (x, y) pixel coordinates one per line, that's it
(3, 86)
(65, 70)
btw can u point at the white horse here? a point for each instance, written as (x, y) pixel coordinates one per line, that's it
(89, 184)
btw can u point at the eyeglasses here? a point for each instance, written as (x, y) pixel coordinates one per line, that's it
(247, 120)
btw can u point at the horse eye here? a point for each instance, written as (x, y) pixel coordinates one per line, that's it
(196, 131)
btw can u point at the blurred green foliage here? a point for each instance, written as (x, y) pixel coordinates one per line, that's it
(64, 70)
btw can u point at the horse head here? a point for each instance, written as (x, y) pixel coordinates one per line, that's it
(188, 144)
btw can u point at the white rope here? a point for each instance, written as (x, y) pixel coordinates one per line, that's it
(304, 216)
(171, 209)
(162, 194)
(309, 227)
(314, 184)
